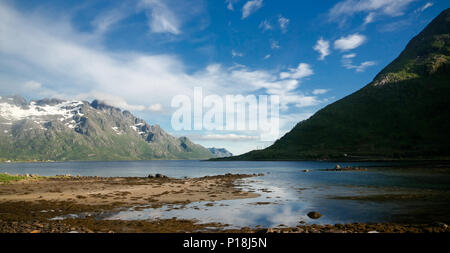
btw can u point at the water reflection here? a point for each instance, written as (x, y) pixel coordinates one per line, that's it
(291, 192)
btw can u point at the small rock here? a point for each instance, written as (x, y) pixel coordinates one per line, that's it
(338, 167)
(373, 232)
(35, 232)
(314, 215)
(305, 170)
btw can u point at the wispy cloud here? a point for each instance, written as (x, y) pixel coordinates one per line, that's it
(347, 8)
(283, 22)
(369, 18)
(274, 44)
(225, 137)
(349, 42)
(236, 54)
(250, 7)
(265, 25)
(267, 56)
(32, 85)
(323, 47)
(104, 21)
(319, 91)
(161, 18)
(39, 51)
(426, 6)
(230, 4)
(155, 107)
(302, 70)
(347, 62)
(405, 22)
(348, 56)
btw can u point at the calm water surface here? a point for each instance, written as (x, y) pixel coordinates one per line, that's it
(291, 192)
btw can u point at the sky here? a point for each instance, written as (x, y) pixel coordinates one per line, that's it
(139, 54)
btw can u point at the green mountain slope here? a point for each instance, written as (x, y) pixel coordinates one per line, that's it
(404, 113)
(59, 130)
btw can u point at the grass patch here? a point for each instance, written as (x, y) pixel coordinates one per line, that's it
(5, 178)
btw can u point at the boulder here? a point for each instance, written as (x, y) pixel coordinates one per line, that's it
(314, 215)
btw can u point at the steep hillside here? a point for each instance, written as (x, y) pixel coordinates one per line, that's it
(404, 113)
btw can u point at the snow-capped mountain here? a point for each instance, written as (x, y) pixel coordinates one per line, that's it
(53, 129)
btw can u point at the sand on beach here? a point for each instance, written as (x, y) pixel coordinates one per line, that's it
(128, 191)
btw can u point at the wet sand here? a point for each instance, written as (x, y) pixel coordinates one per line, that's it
(128, 191)
(27, 205)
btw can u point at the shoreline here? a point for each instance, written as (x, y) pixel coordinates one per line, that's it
(227, 159)
(29, 206)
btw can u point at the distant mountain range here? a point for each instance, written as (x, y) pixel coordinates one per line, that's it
(404, 113)
(59, 130)
(220, 152)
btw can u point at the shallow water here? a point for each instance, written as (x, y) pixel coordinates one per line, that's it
(291, 193)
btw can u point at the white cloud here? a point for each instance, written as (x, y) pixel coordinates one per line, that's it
(347, 56)
(319, 91)
(230, 4)
(274, 44)
(40, 47)
(283, 22)
(302, 70)
(226, 137)
(236, 54)
(32, 85)
(111, 100)
(162, 18)
(349, 42)
(103, 22)
(265, 25)
(250, 7)
(323, 47)
(369, 18)
(347, 62)
(346, 8)
(267, 56)
(155, 108)
(426, 6)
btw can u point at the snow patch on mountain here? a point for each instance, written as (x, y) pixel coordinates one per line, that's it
(65, 109)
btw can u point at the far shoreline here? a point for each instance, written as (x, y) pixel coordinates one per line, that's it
(396, 163)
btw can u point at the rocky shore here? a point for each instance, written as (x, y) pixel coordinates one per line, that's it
(90, 225)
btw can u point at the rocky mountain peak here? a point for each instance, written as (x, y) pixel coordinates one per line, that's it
(55, 129)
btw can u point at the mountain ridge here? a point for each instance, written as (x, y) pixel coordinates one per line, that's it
(72, 130)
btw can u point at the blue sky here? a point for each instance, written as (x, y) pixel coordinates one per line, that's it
(138, 54)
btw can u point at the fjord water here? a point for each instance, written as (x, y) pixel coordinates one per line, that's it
(287, 192)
